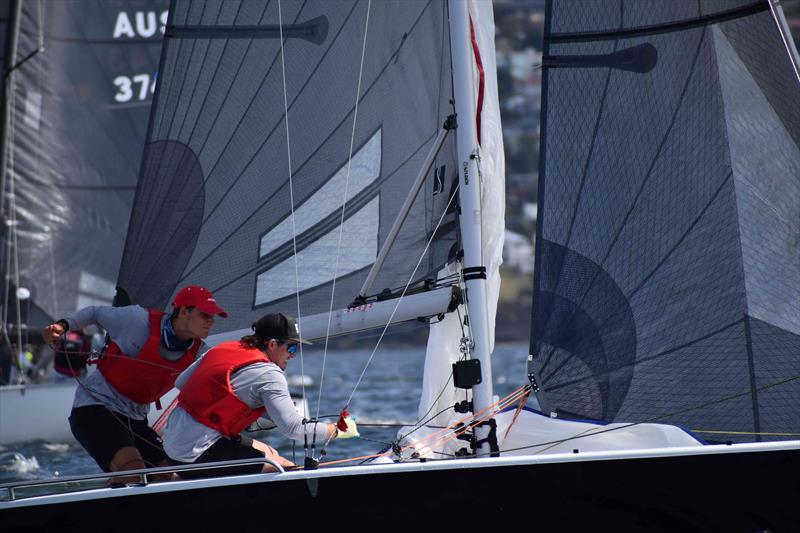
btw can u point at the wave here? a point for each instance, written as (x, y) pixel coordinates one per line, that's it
(18, 463)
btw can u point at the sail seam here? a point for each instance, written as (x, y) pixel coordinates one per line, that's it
(255, 212)
(644, 359)
(274, 128)
(584, 173)
(741, 260)
(310, 157)
(752, 375)
(644, 182)
(166, 158)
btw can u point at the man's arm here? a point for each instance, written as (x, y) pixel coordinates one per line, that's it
(274, 393)
(129, 326)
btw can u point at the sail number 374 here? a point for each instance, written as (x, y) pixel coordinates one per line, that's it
(138, 87)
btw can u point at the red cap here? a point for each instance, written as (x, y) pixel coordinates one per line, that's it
(199, 297)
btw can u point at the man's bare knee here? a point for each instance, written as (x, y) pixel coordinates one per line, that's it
(127, 458)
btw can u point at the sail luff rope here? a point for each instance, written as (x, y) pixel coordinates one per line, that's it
(344, 204)
(402, 295)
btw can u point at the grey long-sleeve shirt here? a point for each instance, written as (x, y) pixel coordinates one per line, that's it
(129, 328)
(257, 385)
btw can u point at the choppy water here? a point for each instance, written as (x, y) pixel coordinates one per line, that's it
(388, 394)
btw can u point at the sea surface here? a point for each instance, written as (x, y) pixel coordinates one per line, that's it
(386, 398)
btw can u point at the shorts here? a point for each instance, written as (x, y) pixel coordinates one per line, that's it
(225, 449)
(102, 433)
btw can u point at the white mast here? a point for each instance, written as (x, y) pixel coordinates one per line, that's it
(470, 199)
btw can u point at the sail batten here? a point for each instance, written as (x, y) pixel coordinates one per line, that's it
(679, 25)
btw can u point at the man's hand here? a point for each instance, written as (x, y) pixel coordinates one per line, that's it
(352, 430)
(52, 332)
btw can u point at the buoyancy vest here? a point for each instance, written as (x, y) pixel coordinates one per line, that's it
(148, 376)
(208, 395)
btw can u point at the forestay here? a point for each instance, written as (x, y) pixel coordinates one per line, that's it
(81, 79)
(226, 200)
(667, 283)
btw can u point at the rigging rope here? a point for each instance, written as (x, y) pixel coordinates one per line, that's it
(477, 418)
(291, 199)
(402, 295)
(13, 222)
(344, 204)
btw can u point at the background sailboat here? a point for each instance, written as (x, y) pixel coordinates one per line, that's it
(79, 82)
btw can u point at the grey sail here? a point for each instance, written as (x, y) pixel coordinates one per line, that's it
(667, 282)
(220, 180)
(81, 87)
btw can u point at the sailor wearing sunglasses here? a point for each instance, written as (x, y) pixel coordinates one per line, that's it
(233, 385)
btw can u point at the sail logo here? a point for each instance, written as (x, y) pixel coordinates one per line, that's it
(142, 24)
(321, 235)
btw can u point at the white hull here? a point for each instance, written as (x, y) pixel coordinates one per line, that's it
(36, 412)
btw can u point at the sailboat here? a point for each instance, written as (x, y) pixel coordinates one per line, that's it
(78, 84)
(343, 162)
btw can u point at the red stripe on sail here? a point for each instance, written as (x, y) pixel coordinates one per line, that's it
(477, 53)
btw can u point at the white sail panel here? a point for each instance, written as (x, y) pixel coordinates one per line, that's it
(353, 178)
(357, 249)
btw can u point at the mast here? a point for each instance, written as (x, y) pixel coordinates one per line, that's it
(11, 52)
(469, 192)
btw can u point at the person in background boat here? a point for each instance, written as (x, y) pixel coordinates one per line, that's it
(230, 387)
(146, 351)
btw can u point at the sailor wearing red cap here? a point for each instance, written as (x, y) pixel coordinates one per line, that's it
(147, 349)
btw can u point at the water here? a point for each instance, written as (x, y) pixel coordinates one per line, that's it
(388, 396)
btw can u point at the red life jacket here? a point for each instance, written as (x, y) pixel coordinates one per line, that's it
(208, 395)
(148, 376)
